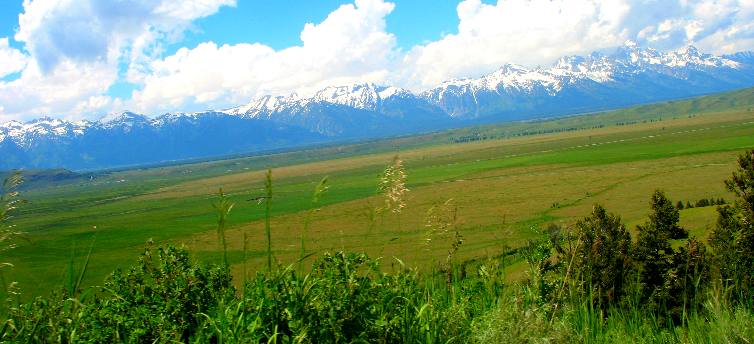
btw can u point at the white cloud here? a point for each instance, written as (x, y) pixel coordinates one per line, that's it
(350, 45)
(76, 48)
(535, 32)
(521, 31)
(37, 93)
(99, 30)
(11, 60)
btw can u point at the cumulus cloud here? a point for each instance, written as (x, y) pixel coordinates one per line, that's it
(75, 49)
(11, 60)
(350, 45)
(99, 30)
(536, 32)
(38, 93)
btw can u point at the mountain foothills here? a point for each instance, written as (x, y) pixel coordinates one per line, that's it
(626, 76)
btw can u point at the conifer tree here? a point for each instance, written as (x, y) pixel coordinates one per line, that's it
(733, 238)
(654, 252)
(602, 260)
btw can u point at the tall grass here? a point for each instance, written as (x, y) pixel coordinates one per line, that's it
(319, 191)
(268, 215)
(223, 208)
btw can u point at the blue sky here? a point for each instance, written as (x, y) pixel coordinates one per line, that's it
(85, 58)
(278, 23)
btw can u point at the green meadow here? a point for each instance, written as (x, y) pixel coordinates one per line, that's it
(506, 180)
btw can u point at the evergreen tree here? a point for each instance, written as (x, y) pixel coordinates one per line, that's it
(602, 261)
(665, 217)
(679, 205)
(654, 253)
(733, 238)
(687, 279)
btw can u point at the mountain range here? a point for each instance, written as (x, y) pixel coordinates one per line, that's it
(628, 75)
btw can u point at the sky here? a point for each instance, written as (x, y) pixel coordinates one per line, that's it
(82, 59)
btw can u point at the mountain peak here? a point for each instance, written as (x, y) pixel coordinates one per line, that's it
(692, 51)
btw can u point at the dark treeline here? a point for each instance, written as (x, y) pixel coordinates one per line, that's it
(704, 202)
(592, 282)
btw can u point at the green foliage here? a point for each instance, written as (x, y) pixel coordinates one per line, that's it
(654, 252)
(601, 258)
(733, 238)
(346, 298)
(540, 288)
(742, 184)
(687, 280)
(158, 300)
(57, 319)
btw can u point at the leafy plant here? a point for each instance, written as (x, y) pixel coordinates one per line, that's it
(158, 300)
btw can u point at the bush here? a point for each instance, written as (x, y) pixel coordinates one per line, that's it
(156, 301)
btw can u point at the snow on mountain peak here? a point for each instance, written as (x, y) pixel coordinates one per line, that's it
(456, 97)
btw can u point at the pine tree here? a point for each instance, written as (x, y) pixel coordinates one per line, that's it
(733, 238)
(654, 253)
(602, 260)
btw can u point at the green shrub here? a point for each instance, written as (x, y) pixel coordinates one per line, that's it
(158, 300)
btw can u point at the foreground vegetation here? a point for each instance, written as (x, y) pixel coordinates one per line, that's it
(591, 282)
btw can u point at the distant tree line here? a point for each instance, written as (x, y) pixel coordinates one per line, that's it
(704, 202)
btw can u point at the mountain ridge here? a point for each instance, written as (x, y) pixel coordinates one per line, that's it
(630, 75)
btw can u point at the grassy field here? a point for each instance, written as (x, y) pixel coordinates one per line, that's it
(506, 180)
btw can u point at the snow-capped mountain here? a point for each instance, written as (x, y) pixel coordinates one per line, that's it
(628, 75)
(361, 110)
(26, 133)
